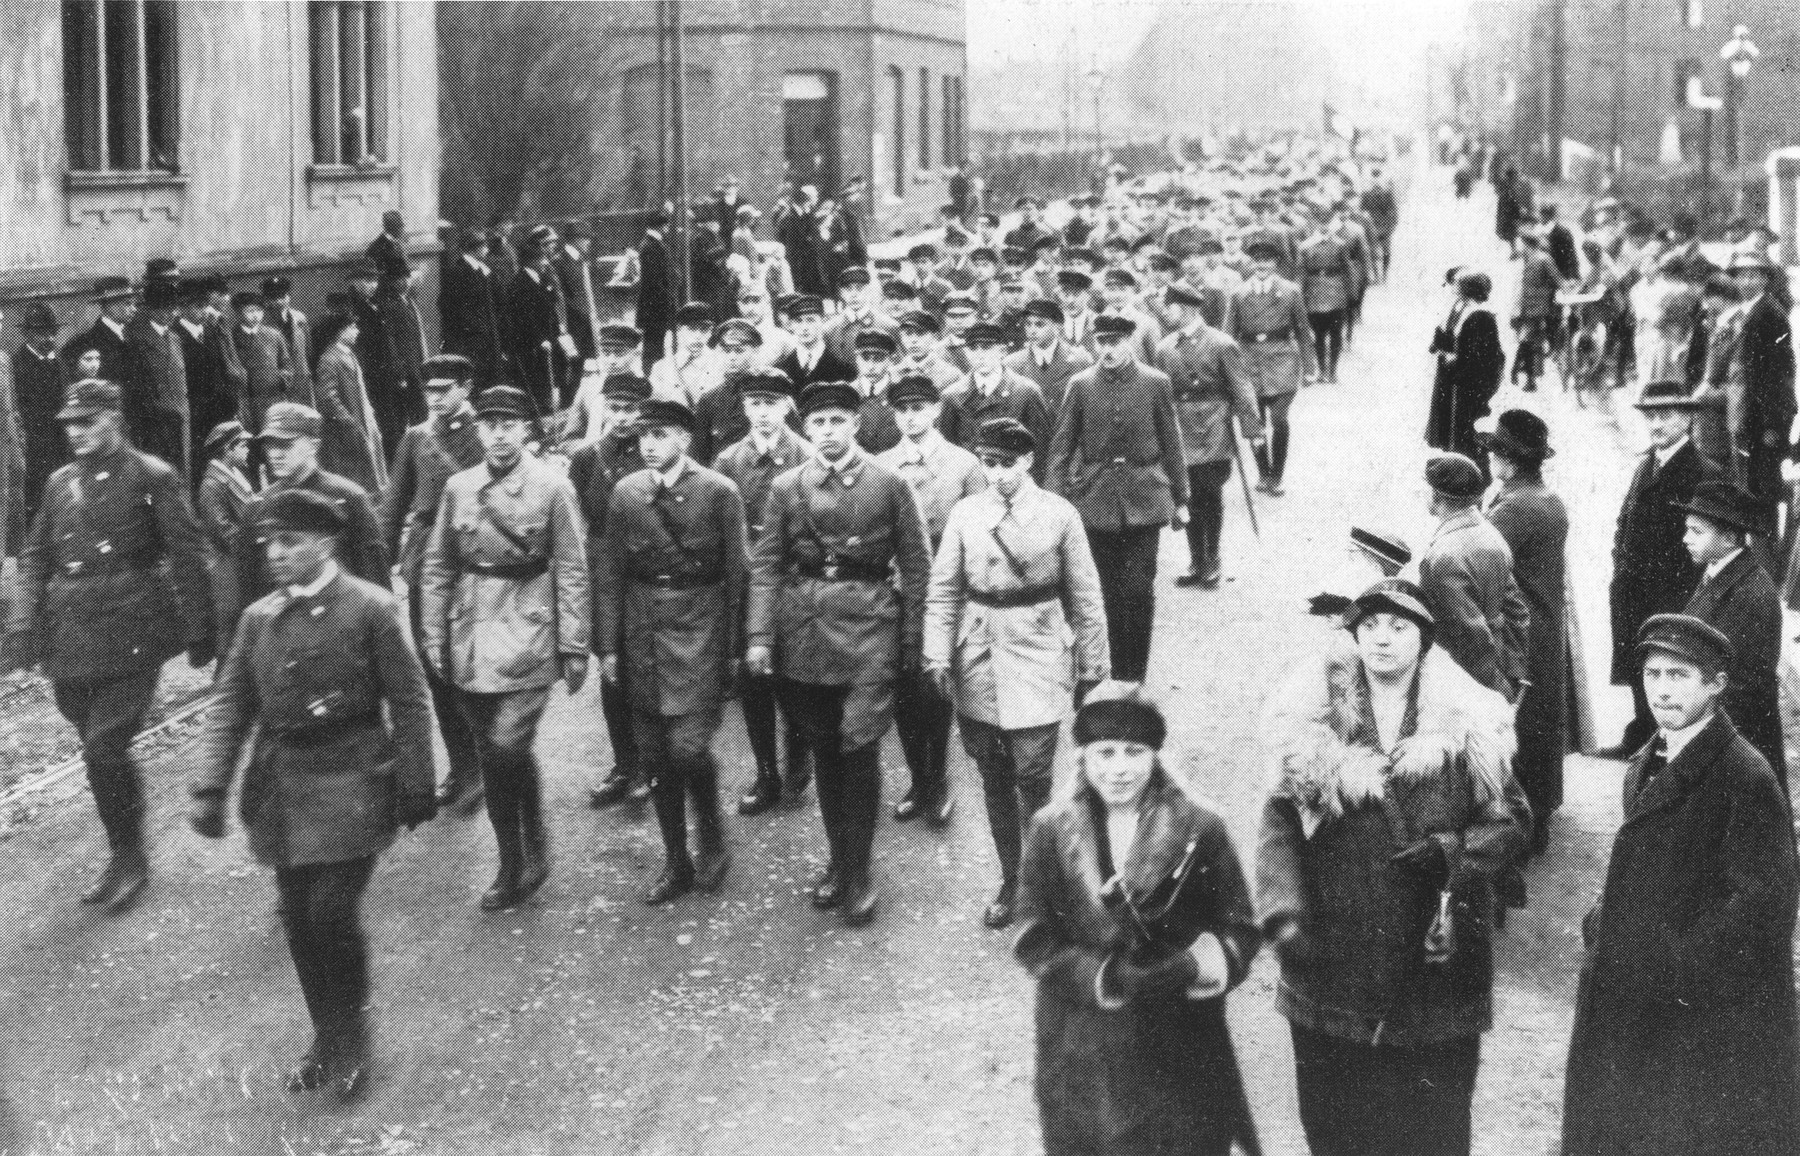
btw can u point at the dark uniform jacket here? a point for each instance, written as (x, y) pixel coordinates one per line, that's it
(1206, 371)
(966, 407)
(429, 454)
(1741, 601)
(829, 367)
(754, 472)
(719, 421)
(669, 590)
(155, 391)
(1685, 1036)
(1652, 573)
(842, 331)
(594, 470)
(313, 672)
(877, 428)
(1536, 528)
(1272, 329)
(360, 549)
(112, 576)
(1117, 451)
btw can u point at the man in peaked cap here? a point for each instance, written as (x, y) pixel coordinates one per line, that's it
(1737, 598)
(920, 353)
(112, 583)
(543, 345)
(719, 419)
(811, 360)
(829, 621)
(859, 315)
(1267, 318)
(1047, 360)
(1467, 576)
(989, 390)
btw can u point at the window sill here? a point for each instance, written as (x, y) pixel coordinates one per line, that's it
(148, 179)
(104, 197)
(356, 186)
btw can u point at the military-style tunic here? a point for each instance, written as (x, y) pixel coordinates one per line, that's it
(1117, 452)
(669, 589)
(1269, 323)
(940, 475)
(505, 580)
(754, 472)
(112, 575)
(1206, 371)
(429, 454)
(314, 671)
(967, 406)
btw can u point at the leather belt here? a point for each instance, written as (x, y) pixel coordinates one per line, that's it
(841, 570)
(516, 571)
(319, 733)
(1009, 599)
(677, 581)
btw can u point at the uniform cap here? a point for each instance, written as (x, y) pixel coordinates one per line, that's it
(1520, 435)
(1073, 280)
(1728, 505)
(112, 288)
(1006, 436)
(876, 341)
(898, 290)
(802, 304)
(1454, 476)
(695, 315)
(984, 333)
(245, 298)
(1120, 276)
(1083, 253)
(39, 318)
(293, 508)
(1044, 308)
(830, 395)
(919, 321)
(287, 420)
(1685, 637)
(277, 286)
(766, 383)
(984, 253)
(1162, 260)
(88, 397)
(664, 411)
(1118, 712)
(1749, 258)
(1388, 551)
(1013, 255)
(617, 336)
(923, 251)
(854, 275)
(912, 387)
(737, 328)
(1393, 596)
(1112, 325)
(505, 401)
(1179, 294)
(452, 366)
(1261, 250)
(959, 302)
(1046, 244)
(625, 387)
(223, 434)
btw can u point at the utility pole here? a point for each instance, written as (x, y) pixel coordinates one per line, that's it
(662, 102)
(678, 145)
(1557, 94)
(1615, 153)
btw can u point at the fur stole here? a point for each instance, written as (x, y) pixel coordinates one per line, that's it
(1322, 756)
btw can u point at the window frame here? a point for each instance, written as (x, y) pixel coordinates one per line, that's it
(121, 135)
(924, 121)
(897, 93)
(364, 29)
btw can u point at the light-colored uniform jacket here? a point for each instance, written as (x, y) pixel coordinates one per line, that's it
(1016, 667)
(490, 633)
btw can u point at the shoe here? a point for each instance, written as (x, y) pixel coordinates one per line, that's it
(939, 808)
(348, 1069)
(799, 774)
(612, 789)
(857, 908)
(1209, 578)
(827, 888)
(710, 868)
(999, 913)
(762, 796)
(671, 885)
(1274, 490)
(103, 887)
(1191, 579)
(308, 1074)
(125, 877)
(907, 809)
(504, 893)
(639, 793)
(532, 876)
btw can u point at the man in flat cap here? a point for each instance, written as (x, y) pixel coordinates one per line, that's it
(1117, 456)
(324, 676)
(876, 429)
(1119, 297)
(1466, 574)
(719, 420)
(1685, 1031)
(1047, 360)
(1267, 318)
(290, 441)
(837, 593)
(941, 474)
(1652, 572)
(989, 390)
(429, 454)
(1014, 628)
(506, 615)
(469, 305)
(811, 360)
(858, 316)
(668, 619)
(770, 447)
(619, 347)
(1738, 599)
(1072, 291)
(1206, 371)
(920, 340)
(112, 583)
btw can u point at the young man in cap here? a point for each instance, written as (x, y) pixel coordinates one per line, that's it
(754, 306)
(1119, 297)
(595, 469)
(692, 366)
(960, 313)
(39, 378)
(280, 315)
(1738, 599)
(469, 305)
(220, 500)
(1652, 572)
(668, 616)
(117, 302)
(1030, 230)
(876, 429)
(1206, 371)
(989, 390)
(941, 475)
(1685, 1036)
(1072, 288)
(984, 287)
(858, 316)
(325, 675)
(828, 618)
(429, 454)
(618, 347)
(919, 334)
(1267, 318)
(770, 448)
(111, 584)
(1011, 318)
(719, 419)
(506, 613)
(539, 322)
(155, 381)
(932, 286)
(1535, 525)
(1467, 576)
(1014, 622)
(1117, 457)
(290, 442)
(1041, 273)
(811, 360)
(1047, 361)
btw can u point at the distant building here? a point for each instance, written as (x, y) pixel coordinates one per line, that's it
(240, 138)
(817, 90)
(1232, 63)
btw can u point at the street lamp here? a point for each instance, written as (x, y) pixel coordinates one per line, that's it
(1739, 53)
(1096, 78)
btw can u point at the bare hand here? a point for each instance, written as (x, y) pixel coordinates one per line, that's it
(760, 661)
(574, 671)
(1181, 517)
(609, 669)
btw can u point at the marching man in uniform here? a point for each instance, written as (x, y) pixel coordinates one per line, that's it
(328, 781)
(673, 567)
(1267, 318)
(1014, 621)
(506, 615)
(112, 583)
(828, 617)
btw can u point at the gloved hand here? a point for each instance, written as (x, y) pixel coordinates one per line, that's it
(1426, 859)
(1161, 978)
(208, 815)
(411, 810)
(202, 654)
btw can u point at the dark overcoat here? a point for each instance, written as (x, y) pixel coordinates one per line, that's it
(1535, 525)
(1741, 601)
(155, 391)
(470, 315)
(1469, 365)
(1766, 352)
(1150, 1077)
(1685, 1034)
(1652, 573)
(966, 409)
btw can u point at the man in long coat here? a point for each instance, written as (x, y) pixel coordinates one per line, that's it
(1535, 525)
(1765, 366)
(38, 383)
(1470, 363)
(1652, 573)
(156, 400)
(469, 306)
(117, 303)
(1466, 574)
(656, 290)
(1685, 1029)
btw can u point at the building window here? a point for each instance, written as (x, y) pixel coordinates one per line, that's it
(350, 93)
(119, 84)
(897, 82)
(1693, 13)
(924, 119)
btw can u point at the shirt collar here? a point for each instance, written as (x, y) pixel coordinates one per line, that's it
(1663, 456)
(312, 588)
(1713, 569)
(988, 382)
(117, 329)
(765, 447)
(666, 479)
(846, 467)
(917, 452)
(1676, 741)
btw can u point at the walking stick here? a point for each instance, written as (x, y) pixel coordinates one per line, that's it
(1237, 454)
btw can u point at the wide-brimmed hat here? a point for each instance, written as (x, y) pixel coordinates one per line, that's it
(1667, 395)
(1520, 435)
(1728, 505)
(112, 289)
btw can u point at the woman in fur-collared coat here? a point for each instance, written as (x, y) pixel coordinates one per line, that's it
(1392, 807)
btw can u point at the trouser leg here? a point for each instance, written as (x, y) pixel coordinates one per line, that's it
(616, 707)
(107, 715)
(861, 804)
(320, 910)
(1128, 589)
(757, 698)
(446, 704)
(1273, 459)
(506, 729)
(1206, 511)
(817, 712)
(922, 720)
(668, 788)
